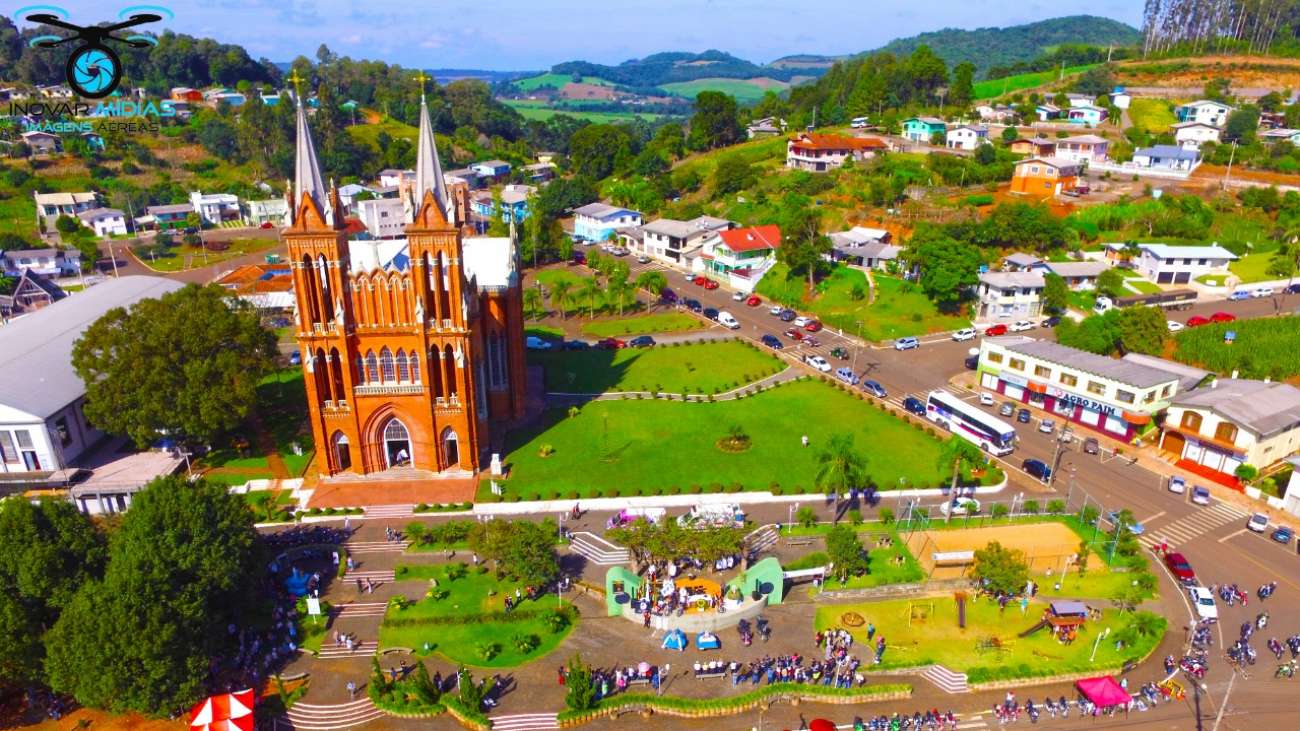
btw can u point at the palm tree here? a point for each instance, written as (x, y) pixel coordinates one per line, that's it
(956, 452)
(533, 303)
(590, 288)
(560, 296)
(842, 468)
(652, 282)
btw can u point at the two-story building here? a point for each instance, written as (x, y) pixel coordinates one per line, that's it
(104, 222)
(491, 170)
(1223, 424)
(539, 172)
(1204, 111)
(1281, 134)
(215, 209)
(1009, 296)
(274, 211)
(671, 241)
(1118, 397)
(1191, 135)
(392, 177)
(865, 247)
(514, 203)
(46, 262)
(31, 292)
(170, 216)
(1167, 158)
(966, 136)
(1045, 176)
(384, 218)
(923, 129)
(1165, 264)
(1033, 146)
(742, 255)
(49, 206)
(996, 113)
(600, 221)
(818, 152)
(1083, 148)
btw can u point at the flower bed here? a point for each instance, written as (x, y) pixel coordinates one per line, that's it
(716, 707)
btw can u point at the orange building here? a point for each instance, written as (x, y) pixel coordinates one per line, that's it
(1045, 176)
(412, 348)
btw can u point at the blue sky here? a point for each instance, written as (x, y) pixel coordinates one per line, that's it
(534, 34)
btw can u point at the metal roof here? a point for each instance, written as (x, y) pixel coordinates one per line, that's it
(1263, 407)
(1127, 372)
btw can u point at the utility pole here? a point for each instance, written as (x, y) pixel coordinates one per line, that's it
(1227, 177)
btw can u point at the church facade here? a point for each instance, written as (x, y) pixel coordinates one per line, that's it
(412, 348)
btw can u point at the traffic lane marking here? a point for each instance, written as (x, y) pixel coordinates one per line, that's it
(1266, 537)
(1278, 576)
(1232, 535)
(1147, 521)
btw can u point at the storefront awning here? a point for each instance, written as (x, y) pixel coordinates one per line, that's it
(1137, 417)
(1036, 387)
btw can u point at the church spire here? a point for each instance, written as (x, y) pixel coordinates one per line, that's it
(306, 173)
(428, 169)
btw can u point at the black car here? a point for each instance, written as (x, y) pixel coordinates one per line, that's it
(1023, 416)
(1037, 468)
(711, 313)
(914, 405)
(577, 345)
(641, 341)
(772, 342)
(1052, 321)
(972, 362)
(1293, 289)
(788, 315)
(667, 295)
(693, 305)
(841, 353)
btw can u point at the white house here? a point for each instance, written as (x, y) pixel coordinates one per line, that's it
(864, 247)
(272, 210)
(1169, 158)
(1079, 100)
(967, 136)
(1191, 135)
(1087, 114)
(1204, 111)
(672, 241)
(1083, 148)
(215, 208)
(46, 262)
(742, 255)
(1120, 98)
(999, 113)
(1078, 275)
(49, 206)
(104, 222)
(1009, 295)
(392, 177)
(348, 193)
(598, 221)
(1229, 422)
(384, 218)
(1165, 264)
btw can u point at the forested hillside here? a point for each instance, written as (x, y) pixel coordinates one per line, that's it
(667, 68)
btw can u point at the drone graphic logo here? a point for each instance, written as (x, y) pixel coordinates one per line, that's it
(94, 70)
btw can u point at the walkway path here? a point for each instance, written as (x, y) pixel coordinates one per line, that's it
(311, 717)
(525, 722)
(789, 374)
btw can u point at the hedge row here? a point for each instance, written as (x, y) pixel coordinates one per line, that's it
(706, 707)
(517, 615)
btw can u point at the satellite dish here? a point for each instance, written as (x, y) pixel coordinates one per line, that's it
(973, 351)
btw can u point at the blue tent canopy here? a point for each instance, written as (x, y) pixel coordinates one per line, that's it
(707, 641)
(675, 640)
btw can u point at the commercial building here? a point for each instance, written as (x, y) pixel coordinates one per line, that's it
(1118, 397)
(1223, 424)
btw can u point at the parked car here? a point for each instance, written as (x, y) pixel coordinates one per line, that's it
(811, 341)
(966, 333)
(577, 345)
(532, 342)
(840, 352)
(643, 259)
(1180, 568)
(960, 506)
(986, 398)
(972, 362)
(667, 295)
(788, 315)
(818, 362)
(611, 344)
(1020, 326)
(813, 326)
(618, 251)
(754, 300)
(710, 284)
(699, 280)
(1283, 534)
(1174, 326)
(711, 313)
(1037, 468)
(1261, 292)
(1200, 495)
(1052, 321)
(1023, 416)
(1008, 409)
(1203, 599)
(727, 320)
(737, 296)
(914, 405)
(801, 321)
(1134, 527)
(772, 342)
(906, 343)
(874, 388)
(1293, 289)
(1177, 485)
(1197, 321)
(295, 358)
(847, 375)
(1047, 426)
(995, 330)
(1257, 522)
(776, 310)
(1239, 294)
(1091, 446)
(794, 334)
(693, 305)
(1223, 317)
(641, 341)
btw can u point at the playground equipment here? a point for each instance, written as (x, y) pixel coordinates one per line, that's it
(1062, 615)
(919, 612)
(960, 598)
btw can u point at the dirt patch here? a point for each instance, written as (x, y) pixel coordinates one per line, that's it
(764, 82)
(586, 91)
(1245, 72)
(1216, 173)
(1047, 546)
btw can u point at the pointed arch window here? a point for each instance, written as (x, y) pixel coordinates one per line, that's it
(415, 367)
(435, 373)
(403, 373)
(449, 364)
(372, 367)
(386, 373)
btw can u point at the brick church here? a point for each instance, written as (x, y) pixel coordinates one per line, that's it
(412, 347)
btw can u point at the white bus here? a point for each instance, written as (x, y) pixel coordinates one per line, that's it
(989, 433)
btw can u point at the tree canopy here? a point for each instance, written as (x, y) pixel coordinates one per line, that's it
(519, 548)
(185, 365)
(715, 122)
(1000, 569)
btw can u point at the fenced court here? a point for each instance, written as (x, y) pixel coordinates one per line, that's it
(948, 554)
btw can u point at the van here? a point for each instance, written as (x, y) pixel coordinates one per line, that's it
(726, 320)
(1103, 305)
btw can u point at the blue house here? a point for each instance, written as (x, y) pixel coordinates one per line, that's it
(1087, 114)
(598, 222)
(492, 169)
(514, 201)
(923, 129)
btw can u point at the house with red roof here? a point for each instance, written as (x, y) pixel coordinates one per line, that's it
(820, 152)
(742, 255)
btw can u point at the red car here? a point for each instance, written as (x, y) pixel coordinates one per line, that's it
(995, 330)
(794, 334)
(710, 284)
(611, 344)
(754, 300)
(1197, 321)
(700, 280)
(267, 224)
(1179, 567)
(813, 326)
(1223, 317)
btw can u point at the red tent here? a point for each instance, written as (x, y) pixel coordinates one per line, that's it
(1103, 691)
(225, 712)
(821, 724)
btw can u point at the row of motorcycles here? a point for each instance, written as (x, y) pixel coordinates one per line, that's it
(932, 720)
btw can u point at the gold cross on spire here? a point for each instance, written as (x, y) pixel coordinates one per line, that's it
(296, 80)
(422, 78)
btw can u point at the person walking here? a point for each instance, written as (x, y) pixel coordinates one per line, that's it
(352, 690)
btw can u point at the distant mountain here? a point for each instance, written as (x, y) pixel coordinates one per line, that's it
(674, 67)
(988, 47)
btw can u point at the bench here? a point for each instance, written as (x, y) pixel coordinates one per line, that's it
(719, 674)
(798, 541)
(638, 681)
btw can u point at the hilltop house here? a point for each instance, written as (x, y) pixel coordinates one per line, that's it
(1191, 135)
(1045, 176)
(31, 292)
(493, 170)
(1086, 114)
(1083, 148)
(215, 209)
(1167, 158)
(186, 94)
(392, 177)
(863, 247)
(42, 143)
(598, 221)
(1281, 134)
(46, 262)
(1078, 275)
(1047, 112)
(514, 201)
(967, 136)
(539, 172)
(104, 222)
(1204, 111)
(1035, 147)
(49, 206)
(743, 255)
(1000, 113)
(923, 129)
(1121, 98)
(819, 153)
(272, 210)
(674, 241)
(765, 127)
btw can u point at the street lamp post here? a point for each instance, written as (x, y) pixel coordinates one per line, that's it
(1097, 643)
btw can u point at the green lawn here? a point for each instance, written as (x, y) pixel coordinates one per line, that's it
(631, 446)
(998, 87)
(664, 322)
(1213, 280)
(531, 110)
(1151, 115)
(745, 91)
(1251, 267)
(1141, 285)
(891, 565)
(579, 304)
(182, 257)
(369, 133)
(901, 308)
(912, 640)
(708, 367)
(456, 633)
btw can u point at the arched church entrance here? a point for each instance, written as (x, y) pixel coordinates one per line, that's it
(397, 444)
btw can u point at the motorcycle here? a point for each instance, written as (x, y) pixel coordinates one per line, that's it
(1261, 620)
(1031, 711)
(1050, 705)
(1275, 647)
(1285, 670)
(1064, 705)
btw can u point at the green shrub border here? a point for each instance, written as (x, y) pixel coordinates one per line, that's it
(705, 707)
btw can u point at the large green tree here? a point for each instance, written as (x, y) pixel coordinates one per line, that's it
(182, 567)
(1056, 293)
(521, 549)
(963, 85)
(1000, 568)
(185, 365)
(949, 268)
(597, 150)
(1142, 330)
(716, 122)
(846, 552)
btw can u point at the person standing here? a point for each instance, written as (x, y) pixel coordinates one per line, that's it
(352, 690)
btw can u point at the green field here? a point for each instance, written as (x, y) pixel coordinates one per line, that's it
(532, 109)
(1152, 115)
(708, 367)
(1253, 267)
(369, 133)
(900, 307)
(556, 81)
(1141, 286)
(647, 446)
(579, 304)
(1264, 348)
(997, 87)
(745, 91)
(663, 322)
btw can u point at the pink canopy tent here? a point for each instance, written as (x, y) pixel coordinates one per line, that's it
(225, 712)
(1103, 691)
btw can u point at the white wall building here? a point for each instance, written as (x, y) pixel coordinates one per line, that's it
(1204, 111)
(272, 210)
(1231, 422)
(966, 137)
(104, 222)
(671, 241)
(1165, 264)
(1191, 135)
(384, 218)
(215, 208)
(1009, 295)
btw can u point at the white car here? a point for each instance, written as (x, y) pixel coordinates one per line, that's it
(960, 506)
(532, 342)
(1203, 600)
(738, 297)
(1020, 326)
(801, 320)
(1262, 292)
(1047, 426)
(1103, 305)
(776, 310)
(1258, 522)
(1174, 326)
(818, 362)
(1177, 485)
(967, 333)
(986, 398)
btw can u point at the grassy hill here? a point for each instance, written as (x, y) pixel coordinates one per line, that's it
(673, 67)
(1008, 84)
(987, 47)
(541, 111)
(556, 81)
(745, 90)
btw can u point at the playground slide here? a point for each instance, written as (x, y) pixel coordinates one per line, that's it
(1034, 629)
